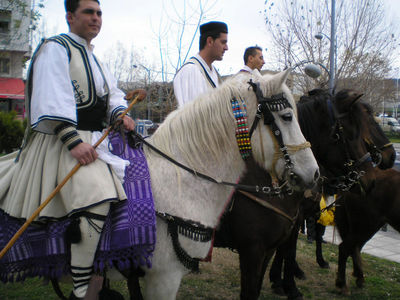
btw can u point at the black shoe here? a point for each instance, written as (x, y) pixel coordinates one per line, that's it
(310, 240)
(73, 297)
(323, 241)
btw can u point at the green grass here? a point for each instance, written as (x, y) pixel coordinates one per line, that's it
(220, 280)
(393, 137)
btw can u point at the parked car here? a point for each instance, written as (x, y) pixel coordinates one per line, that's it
(389, 124)
(142, 126)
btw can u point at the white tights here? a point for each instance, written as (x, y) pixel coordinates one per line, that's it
(82, 253)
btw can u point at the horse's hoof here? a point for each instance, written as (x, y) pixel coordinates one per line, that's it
(344, 290)
(323, 265)
(295, 296)
(360, 282)
(301, 276)
(277, 289)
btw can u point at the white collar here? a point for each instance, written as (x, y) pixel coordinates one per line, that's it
(81, 41)
(247, 68)
(203, 62)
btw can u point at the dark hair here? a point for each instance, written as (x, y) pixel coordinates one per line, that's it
(72, 5)
(203, 39)
(212, 29)
(250, 51)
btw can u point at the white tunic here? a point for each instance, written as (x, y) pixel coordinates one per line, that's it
(46, 161)
(53, 95)
(190, 82)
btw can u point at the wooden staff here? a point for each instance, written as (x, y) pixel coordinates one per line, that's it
(141, 94)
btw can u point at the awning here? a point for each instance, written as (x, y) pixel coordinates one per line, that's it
(12, 88)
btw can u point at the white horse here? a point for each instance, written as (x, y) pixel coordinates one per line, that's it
(201, 135)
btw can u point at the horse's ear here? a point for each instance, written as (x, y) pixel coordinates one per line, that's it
(283, 75)
(278, 79)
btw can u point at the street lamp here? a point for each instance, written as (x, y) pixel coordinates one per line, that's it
(332, 50)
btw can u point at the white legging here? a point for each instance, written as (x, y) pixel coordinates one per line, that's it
(82, 253)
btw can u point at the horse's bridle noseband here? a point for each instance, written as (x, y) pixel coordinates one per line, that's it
(354, 174)
(264, 109)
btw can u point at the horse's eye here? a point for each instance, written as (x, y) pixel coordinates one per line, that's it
(287, 117)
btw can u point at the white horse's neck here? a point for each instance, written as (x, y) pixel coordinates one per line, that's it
(191, 136)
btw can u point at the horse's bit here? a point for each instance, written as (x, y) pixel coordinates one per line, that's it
(353, 175)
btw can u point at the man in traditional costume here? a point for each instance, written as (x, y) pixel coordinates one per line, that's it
(198, 75)
(253, 59)
(70, 98)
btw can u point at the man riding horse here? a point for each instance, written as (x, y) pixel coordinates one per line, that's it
(71, 98)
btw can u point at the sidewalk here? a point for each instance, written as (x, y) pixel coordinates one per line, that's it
(383, 244)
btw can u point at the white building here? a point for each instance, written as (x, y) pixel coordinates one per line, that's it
(15, 49)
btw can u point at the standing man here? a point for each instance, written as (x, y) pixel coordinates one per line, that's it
(253, 59)
(71, 98)
(198, 75)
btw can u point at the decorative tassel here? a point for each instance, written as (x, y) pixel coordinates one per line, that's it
(73, 233)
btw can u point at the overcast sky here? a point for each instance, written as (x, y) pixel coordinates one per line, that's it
(134, 22)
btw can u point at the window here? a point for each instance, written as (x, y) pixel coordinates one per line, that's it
(4, 65)
(5, 21)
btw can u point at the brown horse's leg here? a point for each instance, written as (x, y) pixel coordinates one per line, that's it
(275, 273)
(289, 283)
(267, 258)
(251, 267)
(319, 232)
(132, 277)
(341, 274)
(358, 272)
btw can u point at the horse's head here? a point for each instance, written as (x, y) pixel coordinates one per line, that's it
(277, 142)
(337, 128)
(381, 149)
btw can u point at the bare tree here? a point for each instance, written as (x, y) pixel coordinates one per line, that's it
(184, 25)
(365, 42)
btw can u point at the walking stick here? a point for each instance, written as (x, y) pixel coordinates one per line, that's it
(141, 94)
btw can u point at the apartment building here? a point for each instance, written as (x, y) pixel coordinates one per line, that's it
(15, 16)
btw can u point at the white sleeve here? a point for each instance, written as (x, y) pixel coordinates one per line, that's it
(117, 103)
(52, 100)
(189, 83)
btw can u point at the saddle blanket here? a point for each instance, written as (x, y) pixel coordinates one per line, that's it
(127, 240)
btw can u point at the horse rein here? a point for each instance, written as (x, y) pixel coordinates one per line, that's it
(271, 207)
(265, 108)
(376, 152)
(345, 182)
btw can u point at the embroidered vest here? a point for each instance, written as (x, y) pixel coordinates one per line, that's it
(91, 109)
(195, 61)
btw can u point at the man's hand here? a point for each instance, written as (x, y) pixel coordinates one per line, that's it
(84, 153)
(128, 123)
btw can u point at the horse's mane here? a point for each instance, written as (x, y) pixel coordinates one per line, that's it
(210, 134)
(306, 109)
(211, 120)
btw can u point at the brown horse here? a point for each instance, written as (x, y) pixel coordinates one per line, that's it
(256, 232)
(382, 153)
(361, 213)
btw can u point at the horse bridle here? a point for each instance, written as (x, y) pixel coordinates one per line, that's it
(375, 151)
(264, 109)
(353, 173)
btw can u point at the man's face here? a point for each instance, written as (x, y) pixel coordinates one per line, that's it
(86, 20)
(219, 46)
(256, 61)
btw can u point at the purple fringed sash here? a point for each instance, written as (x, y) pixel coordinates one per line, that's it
(128, 237)
(129, 233)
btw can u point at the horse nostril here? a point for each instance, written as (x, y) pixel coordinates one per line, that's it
(316, 176)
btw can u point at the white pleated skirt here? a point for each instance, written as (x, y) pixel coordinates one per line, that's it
(44, 163)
